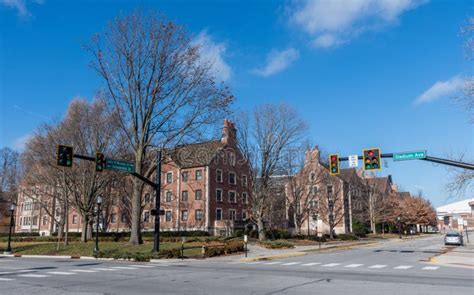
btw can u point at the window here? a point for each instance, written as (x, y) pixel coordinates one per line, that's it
(147, 198)
(232, 178)
(45, 220)
(74, 219)
(219, 176)
(198, 194)
(146, 216)
(314, 190)
(218, 214)
(184, 196)
(198, 215)
(232, 197)
(184, 215)
(113, 218)
(219, 195)
(35, 220)
(244, 215)
(244, 180)
(198, 174)
(313, 204)
(232, 214)
(312, 176)
(232, 158)
(168, 215)
(329, 189)
(124, 218)
(185, 176)
(245, 198)
(169, 177)
(169, 196)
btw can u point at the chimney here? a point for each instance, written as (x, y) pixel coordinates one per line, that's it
(229, 133)
(312, 156)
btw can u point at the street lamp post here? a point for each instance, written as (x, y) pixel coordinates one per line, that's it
(12, 210)
(399, 227)
(96, 249)
(156, 233)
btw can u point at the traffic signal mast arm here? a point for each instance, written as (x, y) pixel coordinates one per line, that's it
(448, 162)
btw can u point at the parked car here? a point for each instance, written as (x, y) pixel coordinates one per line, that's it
(453, 238)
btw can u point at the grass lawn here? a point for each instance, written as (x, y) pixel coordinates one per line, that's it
(86, 249)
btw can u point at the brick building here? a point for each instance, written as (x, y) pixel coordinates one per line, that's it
(205, 186)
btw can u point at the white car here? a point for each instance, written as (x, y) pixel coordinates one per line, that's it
(453, 238)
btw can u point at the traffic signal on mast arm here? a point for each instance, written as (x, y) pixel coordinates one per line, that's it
(64, 154)
(99, 162)
(371, 159)
(334, 168)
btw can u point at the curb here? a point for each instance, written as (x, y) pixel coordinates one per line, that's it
(272, 257)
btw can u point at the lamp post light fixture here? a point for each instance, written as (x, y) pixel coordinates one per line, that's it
(96, 249)
(399, 227)
(12, 210)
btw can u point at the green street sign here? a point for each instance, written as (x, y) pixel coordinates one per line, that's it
(409, 156)
(119, 165)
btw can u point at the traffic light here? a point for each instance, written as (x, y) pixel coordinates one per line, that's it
(64, 154)
(371, 159)
(334, 164)
(99, 162)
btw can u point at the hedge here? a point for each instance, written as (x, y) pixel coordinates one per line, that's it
(276, 244)
(230, 247)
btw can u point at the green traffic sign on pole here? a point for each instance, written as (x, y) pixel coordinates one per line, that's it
(409, 156)
(119, 165)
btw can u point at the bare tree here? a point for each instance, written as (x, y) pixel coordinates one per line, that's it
(263, 141)
(10, 172)
(162, 89)
(331, 206)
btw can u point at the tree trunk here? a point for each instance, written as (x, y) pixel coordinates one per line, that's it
(85, 223)
(261, 230)
(89, 229)
(135, 236)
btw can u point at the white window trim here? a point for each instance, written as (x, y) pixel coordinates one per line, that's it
(243, 212)
(222, 213)
(235, 193)
(195, 194)
(187, 215)
(244, 176)
(195, 215)
(196, 173)
(144, 216)
(222, 176)
(171, 219)
(182, 176)
(245, 200)
(222, 193)
(230, 214)
(166, 177)
(235, 178)
(168, 191)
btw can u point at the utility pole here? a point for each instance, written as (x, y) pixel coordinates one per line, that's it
(156, 234)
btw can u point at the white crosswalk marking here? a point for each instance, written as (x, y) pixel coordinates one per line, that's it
(34, 276)
(6, 279)
(105, 269)
(123, 267)
(311, 264)
(274, 262)
(430, 268)
(64, 273)
(83, 270)
(142, 266)
(403, 267)
(378, 266)
(353, 265)
(331, 264)
(291, 263)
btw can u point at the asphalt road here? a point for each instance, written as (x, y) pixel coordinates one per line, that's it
(397, 267)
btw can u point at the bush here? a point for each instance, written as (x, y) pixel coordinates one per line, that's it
(347, 237)
(15, 235)
(276, 244)
(277, 234)
(359, 228)
(229, 248)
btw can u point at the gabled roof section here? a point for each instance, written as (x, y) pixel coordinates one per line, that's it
(195, 155)
(381, 184)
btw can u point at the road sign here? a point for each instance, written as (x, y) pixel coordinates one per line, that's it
(119, 165)
(353, 161)
(409, 156)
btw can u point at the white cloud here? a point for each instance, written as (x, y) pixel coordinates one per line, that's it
(277, 61)
(20, 142)
(441, 89)
(214, 53)
(330, 23)
(19, 5)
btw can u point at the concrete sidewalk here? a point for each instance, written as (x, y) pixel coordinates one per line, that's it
(461, 256)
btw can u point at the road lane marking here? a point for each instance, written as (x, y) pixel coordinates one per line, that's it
(331, 264)
(353, 265)
(105, 269)
(34, 276)
(291, 263)
(311, 264)
(378, 266)
(64, 273)
(83, 270)
(255, 262)
(272, 263)
(403, 267)
(430, 268)
(123, 267)
(142, 266)
(6, 279)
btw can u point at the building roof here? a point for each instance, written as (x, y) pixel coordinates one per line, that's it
(197, 154)
(382, 184)
(348, 174)
(404, 195)
(457, 207)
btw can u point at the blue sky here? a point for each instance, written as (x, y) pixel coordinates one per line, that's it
(362, 73)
